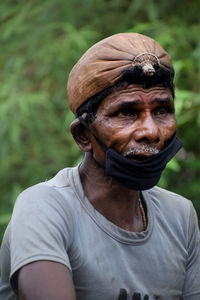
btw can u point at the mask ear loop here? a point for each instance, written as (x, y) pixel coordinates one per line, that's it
(83, 122)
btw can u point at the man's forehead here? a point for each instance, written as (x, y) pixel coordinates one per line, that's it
(136, 95)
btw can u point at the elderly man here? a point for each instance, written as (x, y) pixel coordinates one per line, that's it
(103, 230)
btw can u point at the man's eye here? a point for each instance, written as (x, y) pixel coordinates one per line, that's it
(162, 110)
(127, 112)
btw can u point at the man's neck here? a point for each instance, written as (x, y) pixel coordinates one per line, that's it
(113, 200)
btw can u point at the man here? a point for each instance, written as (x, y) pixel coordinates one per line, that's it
(103, 230)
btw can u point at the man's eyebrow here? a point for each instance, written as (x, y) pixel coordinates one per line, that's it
(162, 101)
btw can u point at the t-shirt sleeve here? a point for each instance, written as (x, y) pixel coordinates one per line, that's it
(41, 228)
(191, 290)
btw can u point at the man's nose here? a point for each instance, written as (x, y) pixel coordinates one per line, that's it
(147, 130)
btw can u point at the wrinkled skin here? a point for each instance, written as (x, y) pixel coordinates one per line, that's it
(132, 117)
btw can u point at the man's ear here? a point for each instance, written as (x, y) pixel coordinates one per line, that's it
(81, 134)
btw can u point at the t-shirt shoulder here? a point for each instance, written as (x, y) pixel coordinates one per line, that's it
(55, 198)
(167, 197)
(45, 215)
(172, 206)
(50, 189)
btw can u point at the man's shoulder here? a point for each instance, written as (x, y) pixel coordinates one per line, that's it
(57, 189)
(167, 195)
(170, 202)
(64, 178)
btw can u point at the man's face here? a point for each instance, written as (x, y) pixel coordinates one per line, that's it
(135, 122)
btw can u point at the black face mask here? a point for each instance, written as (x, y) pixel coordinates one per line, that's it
(137, 175)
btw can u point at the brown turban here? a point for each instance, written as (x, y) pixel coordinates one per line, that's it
(103, 64)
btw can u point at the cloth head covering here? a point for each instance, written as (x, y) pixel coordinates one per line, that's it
(103, 64)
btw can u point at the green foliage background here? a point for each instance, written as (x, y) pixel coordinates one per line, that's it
(41, 41)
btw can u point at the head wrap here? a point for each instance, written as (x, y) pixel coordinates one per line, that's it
(103, 64)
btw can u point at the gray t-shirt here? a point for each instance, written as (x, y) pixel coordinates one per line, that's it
(55, 221)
